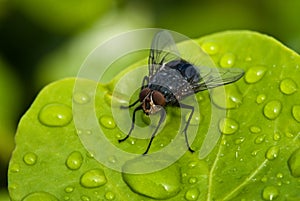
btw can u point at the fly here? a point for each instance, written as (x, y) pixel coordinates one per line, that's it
(171, 79)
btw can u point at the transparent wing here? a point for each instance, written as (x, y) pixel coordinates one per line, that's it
(214, 77)
(163, 49)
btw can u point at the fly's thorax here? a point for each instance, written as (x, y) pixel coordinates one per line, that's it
(152, 100)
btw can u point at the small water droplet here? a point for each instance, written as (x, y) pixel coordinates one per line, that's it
(195, 120)
(14, 168)
(272, 153)
(112, 159)
(55, 115)
(255, 129)
(276, 136)
(264, 179)
(162, 184)
(85, 198)
(254, 74)
(193, 180)
(279, 175)
(74, 160)
(192, 194)
(109, 195)
(107, 122)
(69, 189)
(261, 98)
(272, 109)
(233, 97)
(192, 164)
(40, 196)
(81, 98)
(288, 86)
(228, 126)
(294, 163)
(254, 153)
(210, 48)
(296, 112)
(30, 158)
(270, 193)
(289, 134)
(260, 139)
(93, 178)
(240, 140)
(227, 60)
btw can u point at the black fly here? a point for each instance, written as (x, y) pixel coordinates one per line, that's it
(171, 79)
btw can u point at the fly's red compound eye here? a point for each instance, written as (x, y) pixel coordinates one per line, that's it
(158, 98)
(144, 93)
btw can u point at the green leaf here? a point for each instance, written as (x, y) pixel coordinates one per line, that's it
(256, 158)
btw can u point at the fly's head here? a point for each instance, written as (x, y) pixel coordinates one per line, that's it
(152, 100)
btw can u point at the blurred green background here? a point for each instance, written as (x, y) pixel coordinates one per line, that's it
(42, 41)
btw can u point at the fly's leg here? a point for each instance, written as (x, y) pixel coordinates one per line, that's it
(132, 124)
(187, 124)
(145, 80)
(162, 118)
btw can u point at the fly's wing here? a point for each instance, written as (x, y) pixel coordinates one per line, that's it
(214, 77)
(163, 50)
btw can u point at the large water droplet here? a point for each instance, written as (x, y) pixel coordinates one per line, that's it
(192, 194)
(74, 160)
(272, 109)
(254, 74)
(55, 115)
(30, 158)
(296, 112)
(40, 196)
(227, 60)
(81, 98)
(272, 153)
(294, 163)
(270, 193)
(107, 122)
(228, 126)
(93, 178)
(288, 86)
(210, 48)
(162, 184)
(233, 97)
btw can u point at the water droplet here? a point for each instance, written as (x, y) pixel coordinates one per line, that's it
(288, 86)
(14, 168)
(254, 153)
(270, 193)
(296, 112)
(85, 198)
(30, 158)
(107, 122)
(272, 109)
(230, 100)
(255, 129)
(192, 164)
(228, 126)
(227, 60)
(264, 179)
(294, 163)
(74, 160)
(55, 115)
(93, 178)
(254, 74)
(276, 136)
(279, 175)
(261, 98)
(240, 140)
(81, 98)
(109, 195)
(260, 139)
(40, 196)
(162, 184)
(193, 180)
(272, 153)
(69, 189)
(210, 48)
(192, 194)
(112, 159)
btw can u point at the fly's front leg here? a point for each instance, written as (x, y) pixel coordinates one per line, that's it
(132, 124)
(187, 124)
